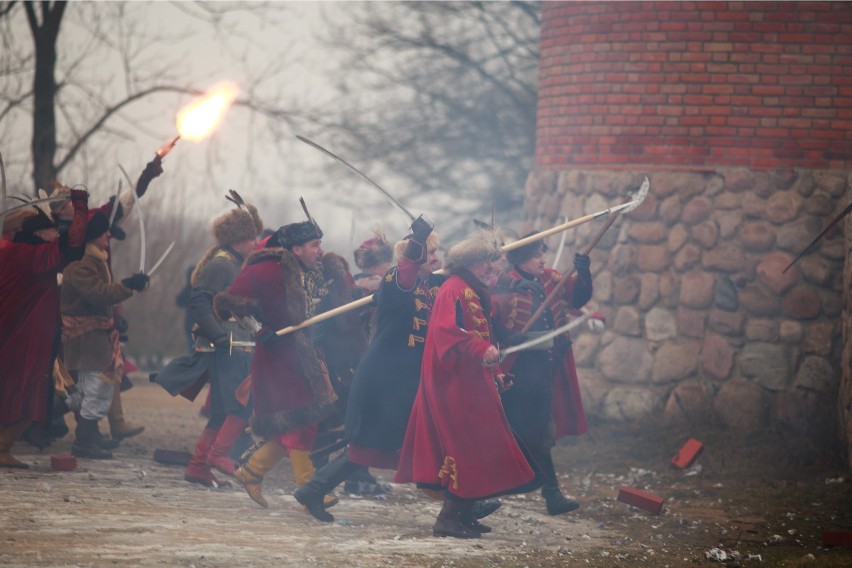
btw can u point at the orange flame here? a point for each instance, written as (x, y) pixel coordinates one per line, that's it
(197, 119)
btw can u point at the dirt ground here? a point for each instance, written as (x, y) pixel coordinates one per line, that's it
(762, 500)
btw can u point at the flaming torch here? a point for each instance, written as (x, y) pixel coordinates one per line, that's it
(196, 120)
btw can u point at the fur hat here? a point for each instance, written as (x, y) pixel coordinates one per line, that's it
(37, 222)
(13, 221)
(477, 248)
(98, 225)
(295, 234)
(373, 252)
(433, 243)
(522, 254)
(237, 225)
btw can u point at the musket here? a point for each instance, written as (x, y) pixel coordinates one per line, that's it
(834, 221)
(538, 236)
(626, 208)
(142, 241)
(363, 176)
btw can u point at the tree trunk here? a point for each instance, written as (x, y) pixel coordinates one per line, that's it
(44, 89)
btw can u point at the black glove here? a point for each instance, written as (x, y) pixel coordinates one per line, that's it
(138, 281)
(582, 263)
(79, 198)
(121, 324)
(421, 229)
(152, 170)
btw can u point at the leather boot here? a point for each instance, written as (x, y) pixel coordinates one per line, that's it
(484, 507)
(9, 433)
(251, 473)
(119, 428)
(557, 504)
(85, 441)
(451, 520)
(197, 470)
(311, 494)
(303, 471)
(219, 455)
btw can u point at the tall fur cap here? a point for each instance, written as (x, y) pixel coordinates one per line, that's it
(372, 252)
(479, 247)
(237, 225)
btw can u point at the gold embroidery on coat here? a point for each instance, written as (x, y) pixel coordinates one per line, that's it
(449, 469)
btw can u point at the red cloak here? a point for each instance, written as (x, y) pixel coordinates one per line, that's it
(458, 436)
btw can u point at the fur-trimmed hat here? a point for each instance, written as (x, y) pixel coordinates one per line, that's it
(373, 252)
(477, 248)
(522, 254)
(97, 225)
(37, 222)
(237, 225)
(295, 234)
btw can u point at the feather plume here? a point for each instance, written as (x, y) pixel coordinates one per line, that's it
(235, 198)
(305, 209)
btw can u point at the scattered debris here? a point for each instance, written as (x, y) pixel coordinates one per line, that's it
(687, 454)
(837, 538)
(640, 499)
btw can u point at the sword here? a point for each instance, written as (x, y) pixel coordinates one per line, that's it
(162, 258)
(544, 337)
(114, 205)
(142, 241)
(363, 176)
(236, 343)
(561, 246)
(32, 203)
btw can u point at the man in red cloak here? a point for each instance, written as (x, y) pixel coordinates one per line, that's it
(291, 391)
(29, 318)
(458, 438)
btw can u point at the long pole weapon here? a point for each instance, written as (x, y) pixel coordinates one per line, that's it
(834, 221)
(505, 248)
(633, 204)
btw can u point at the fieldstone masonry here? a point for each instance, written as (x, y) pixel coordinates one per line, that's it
(702, 321)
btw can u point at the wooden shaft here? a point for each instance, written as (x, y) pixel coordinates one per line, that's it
(366, 300)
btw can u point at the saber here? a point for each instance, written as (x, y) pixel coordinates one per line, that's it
(33, 203)
(232, 343)
(561, 246)
(390, 197)
(141, 220)
(819, 236)
(544, 337)
(162, 258)
(2, 190)
(114, 205)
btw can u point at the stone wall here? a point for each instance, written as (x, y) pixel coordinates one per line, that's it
(702, 322)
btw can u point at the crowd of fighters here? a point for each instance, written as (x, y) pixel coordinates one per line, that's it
(413, 381)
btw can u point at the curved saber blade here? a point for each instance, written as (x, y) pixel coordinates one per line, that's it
(141, 221)
(546, 337)
(114, 205)
(363, 176)
(32, 203)
(2, 184)
(561, 246)
(162, 258)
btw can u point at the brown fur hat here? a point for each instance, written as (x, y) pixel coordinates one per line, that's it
(237, 225)
(373, 252)
(479, 247)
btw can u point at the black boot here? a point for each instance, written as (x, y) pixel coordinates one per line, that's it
(470, 519)
(311, 494)
(85, 444)
(553, 497)
(484, 507)
(452, 520)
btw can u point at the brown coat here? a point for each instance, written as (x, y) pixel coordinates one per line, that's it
(88, 291)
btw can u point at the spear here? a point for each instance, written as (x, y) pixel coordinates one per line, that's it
(834, 221)
(629, 206)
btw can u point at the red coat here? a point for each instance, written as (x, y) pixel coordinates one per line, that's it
(458, 436)
(290, 385)
(513, 311)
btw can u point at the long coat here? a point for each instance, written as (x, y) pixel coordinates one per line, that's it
(89, 292)
(29, 320)
(290, 387)
(512, 311)
(458, 436)
(388, 376)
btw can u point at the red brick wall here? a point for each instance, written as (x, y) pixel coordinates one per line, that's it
(695, 84)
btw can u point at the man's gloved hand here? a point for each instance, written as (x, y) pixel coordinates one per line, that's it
(582, 263)
(79, 198)
(152, 170)
(138, 281)
(121, 324)
(421, 229)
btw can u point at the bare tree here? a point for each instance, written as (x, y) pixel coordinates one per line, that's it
(441, 94)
